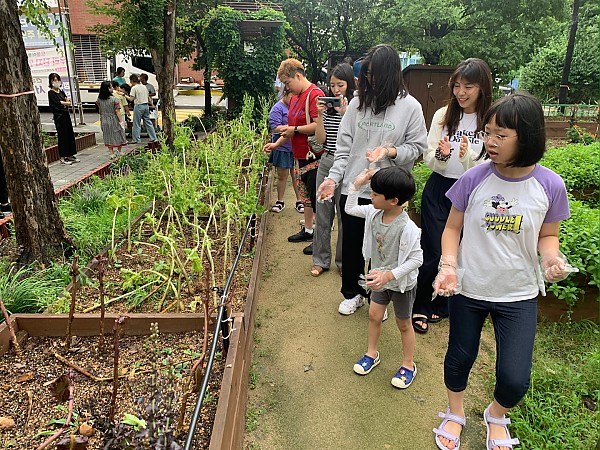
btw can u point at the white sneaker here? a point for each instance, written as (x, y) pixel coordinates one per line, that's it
(350, 305)
(385, 315)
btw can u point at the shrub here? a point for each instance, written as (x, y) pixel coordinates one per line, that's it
(421, 174)
(578, 135)
(579, 241)
(579, 167)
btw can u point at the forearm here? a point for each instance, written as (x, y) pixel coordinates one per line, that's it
(548, 246)
(413, 262)
(320, 133)
(306, 129)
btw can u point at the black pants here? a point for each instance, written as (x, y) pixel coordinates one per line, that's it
(435, 208)
(66, 136)
(353, 262)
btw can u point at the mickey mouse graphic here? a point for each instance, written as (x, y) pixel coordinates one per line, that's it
(499, 203)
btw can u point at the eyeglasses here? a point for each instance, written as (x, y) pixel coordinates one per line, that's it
(485, 136)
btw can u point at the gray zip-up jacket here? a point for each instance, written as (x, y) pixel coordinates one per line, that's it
(401, 125)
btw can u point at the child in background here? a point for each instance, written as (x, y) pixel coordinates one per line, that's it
(118, 94)
(508, 209)
(392, 242)
(282, 157)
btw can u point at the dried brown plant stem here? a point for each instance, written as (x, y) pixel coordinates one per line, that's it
(101, 271)
(11, 330)
(74, 273)
(116, 335)
(69, 415)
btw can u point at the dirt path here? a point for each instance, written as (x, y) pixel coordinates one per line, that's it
(306, 395)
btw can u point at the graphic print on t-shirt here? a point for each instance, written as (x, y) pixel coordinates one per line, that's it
(500, 219)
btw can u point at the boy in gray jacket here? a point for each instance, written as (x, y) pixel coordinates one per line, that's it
(392, 242)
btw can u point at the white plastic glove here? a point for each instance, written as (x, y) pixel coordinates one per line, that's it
(556, 268)
(326, 189)
(449, 277)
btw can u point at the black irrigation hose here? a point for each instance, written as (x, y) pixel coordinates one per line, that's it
(221, 312)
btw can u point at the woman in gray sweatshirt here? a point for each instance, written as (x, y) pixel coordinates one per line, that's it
(382, 127)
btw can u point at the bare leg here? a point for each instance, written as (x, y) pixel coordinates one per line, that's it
(497, 431)
(456, 400)
(282, 175)
(295, 184)
(408, 342)
(309, 216)
(376, 312)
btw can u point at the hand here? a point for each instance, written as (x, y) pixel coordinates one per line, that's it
(288, 132)
(321, 106)
(446, 282)
(343, 105)
(377, 279)
(364, 178)
(444, 146)
(279, 129)
(463, 146)
(555, 269)
(377, 154)
(268, 148)
(326, 189)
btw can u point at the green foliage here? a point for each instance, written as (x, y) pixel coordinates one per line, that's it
(579, 167)
(28, 290)
(542, 75)
(559, 410)
(247, 67)
(421, 174)
(579, 240)
(578, 135)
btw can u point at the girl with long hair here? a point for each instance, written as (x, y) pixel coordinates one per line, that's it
(111, 119)
(384, 126)
(453, 147)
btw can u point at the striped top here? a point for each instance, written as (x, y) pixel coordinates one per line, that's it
(331, 123)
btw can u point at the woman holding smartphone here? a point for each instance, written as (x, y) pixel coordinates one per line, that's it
(342, 87)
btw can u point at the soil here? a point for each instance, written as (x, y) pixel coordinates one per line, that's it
(130, 270)
(27, 399)
(306, 395)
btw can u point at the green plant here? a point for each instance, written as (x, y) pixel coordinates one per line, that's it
(579, 241)
(559, 410)
(421, 174)
(247, 65)
(579, 167)
(578, 135)
(252, 416)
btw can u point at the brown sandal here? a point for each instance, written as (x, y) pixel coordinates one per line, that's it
(316, 271)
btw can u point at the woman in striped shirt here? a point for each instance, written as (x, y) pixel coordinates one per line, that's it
(343, 85)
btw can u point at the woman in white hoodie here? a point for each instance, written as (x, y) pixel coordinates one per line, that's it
(382, 127)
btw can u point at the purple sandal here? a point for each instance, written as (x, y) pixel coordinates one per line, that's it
(448, 417)
(502, 422)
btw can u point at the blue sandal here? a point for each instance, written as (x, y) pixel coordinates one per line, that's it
(448, 417)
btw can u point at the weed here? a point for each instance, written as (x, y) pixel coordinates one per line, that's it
(252, 416)
(253, 377)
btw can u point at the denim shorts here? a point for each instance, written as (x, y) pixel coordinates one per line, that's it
(282, 160)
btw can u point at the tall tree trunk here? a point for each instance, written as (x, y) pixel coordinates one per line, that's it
(39, 229)
(167, 73)
(207, 72)
(564, 81)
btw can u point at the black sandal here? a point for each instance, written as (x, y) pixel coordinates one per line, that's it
(420, 328)
(436, 319)
(300, 207)
(278, 206)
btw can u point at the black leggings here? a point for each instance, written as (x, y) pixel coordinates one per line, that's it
(514, 329)
(353, 262)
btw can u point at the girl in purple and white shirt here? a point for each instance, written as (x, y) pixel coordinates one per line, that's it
(508, 210)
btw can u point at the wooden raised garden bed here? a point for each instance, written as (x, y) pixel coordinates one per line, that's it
(46, 329)
(557, 129)
(82, 141)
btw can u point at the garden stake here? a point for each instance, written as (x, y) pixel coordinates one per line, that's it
(74, 273)
(11, 330)
(101, 271)
(71, 398)
(116, 335)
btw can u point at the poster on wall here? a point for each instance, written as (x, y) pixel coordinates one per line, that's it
(44, 61)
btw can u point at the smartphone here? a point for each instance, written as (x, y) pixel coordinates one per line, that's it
(331, 102)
